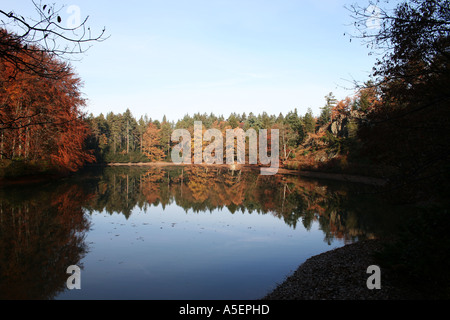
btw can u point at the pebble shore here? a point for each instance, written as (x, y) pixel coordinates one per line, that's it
(341, 274)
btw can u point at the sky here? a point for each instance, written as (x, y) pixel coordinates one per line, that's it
(178, 57)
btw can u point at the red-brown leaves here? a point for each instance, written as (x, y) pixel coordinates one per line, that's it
(41, 118)
(151, 144)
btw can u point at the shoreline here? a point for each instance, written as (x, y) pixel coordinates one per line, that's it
(45, 177)
(341, 274)
(31, 179)
(308, 174)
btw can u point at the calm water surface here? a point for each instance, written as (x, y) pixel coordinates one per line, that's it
(173, 233)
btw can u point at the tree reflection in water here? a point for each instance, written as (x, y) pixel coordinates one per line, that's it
(42, 232)
(43, 227)
(341, 212)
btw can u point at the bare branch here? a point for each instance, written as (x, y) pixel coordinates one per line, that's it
(44, 33)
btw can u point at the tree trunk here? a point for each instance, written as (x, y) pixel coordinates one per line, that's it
(128, 138)
(1, 147)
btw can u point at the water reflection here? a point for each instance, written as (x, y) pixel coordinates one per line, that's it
(342, 213)
(43, 227)
(41, 233)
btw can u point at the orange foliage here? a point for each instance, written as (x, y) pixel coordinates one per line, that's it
(41, 118)
(151, 143)
(342, 107)
(150, 182)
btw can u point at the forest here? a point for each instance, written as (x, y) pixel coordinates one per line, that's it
(44, 126)
(123, 138)
(395, 127)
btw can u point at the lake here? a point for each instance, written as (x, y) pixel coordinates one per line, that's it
(170, 233)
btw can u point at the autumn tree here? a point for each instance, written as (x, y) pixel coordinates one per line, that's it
(342, 108)
(42, 119)
(368, 97)
(40, 102)
(151, 144)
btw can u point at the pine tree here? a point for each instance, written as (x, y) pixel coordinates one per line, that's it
(326, 114)
(309, 122)
(166, 132)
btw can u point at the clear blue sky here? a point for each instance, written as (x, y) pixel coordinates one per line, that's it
(175, 57)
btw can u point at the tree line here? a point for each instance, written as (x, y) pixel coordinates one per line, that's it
(399, 118)
(122, 137)
(43, 123)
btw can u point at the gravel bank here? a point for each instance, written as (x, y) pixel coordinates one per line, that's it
(341, 274)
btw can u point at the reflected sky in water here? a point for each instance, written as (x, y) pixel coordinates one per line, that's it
(172, 233)
(171, 254)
